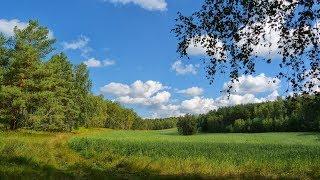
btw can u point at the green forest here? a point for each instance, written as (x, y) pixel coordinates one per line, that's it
(44, 91)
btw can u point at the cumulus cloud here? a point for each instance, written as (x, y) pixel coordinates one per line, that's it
(92, 62)
(7, 27)
(117, 89)
(253, 84)
(156, 97)
(193, 91)
(183, 69)
(149, 93)
(151, 5)
(197, 105)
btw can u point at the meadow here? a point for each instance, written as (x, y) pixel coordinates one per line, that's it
(162, 154)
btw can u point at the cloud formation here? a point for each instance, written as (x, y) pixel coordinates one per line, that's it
(156, 97)
(253, 84)
(7, 27)
(149, 93)
(79, 44)
(92, 62)
(182, 69)
(151, 5)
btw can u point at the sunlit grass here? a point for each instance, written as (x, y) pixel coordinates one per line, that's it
(103, 152)
(264, 154)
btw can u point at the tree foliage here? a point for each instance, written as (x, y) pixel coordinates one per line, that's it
(187, 125)
(295, 114)
(230, 31)
(47, 92)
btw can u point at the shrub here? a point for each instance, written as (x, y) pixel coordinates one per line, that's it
(267, 124)
(239, 126)
(256, 125)
(187, 125)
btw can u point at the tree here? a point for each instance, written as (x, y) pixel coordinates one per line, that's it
(187, 125)
(230, 31)
(21, 78)
(83, 86)
(59, 110)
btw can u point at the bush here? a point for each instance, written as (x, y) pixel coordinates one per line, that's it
(187, 125)
(239, 126)
(267, 124)
(256, 125)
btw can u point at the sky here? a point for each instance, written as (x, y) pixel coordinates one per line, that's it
(131, 54)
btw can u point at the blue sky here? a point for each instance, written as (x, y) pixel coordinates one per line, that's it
(132, 56)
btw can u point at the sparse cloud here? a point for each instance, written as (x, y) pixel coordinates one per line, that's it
(182, 69)
(151, 5)
(92, 62)
(193, 91)
(80, 44)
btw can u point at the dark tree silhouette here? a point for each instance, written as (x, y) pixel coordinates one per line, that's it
(230, 31)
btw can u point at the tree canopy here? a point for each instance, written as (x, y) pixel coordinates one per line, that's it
(231, 30)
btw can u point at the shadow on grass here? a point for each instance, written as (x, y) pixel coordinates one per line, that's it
(316, 134)
(28, 169)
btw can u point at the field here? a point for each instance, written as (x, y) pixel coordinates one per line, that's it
(163, 154)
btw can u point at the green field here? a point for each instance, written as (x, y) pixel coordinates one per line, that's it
(103, 152)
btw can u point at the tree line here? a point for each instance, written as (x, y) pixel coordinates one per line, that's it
(300, 113)
(42, 90)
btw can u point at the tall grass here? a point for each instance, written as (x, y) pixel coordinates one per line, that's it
(266, 154)
(101, 153)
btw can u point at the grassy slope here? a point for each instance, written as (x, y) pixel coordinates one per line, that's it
(112, 153)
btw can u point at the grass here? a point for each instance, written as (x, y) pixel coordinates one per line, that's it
(161, 154)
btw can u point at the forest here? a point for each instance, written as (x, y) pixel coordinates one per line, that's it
(298, 114)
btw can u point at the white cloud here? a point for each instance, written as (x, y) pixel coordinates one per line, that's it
(80, 44)
(117, 89)
(77, 44)
(92, 62)
(109, 62)
(183, 69)
(197, 105)
(193, 91)
(197, 49)
(263, 49)
(7, 27)
(156, 97)
(149, 93)
(253, 84)
(236, 99)
(273, 96)
(151, 5)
